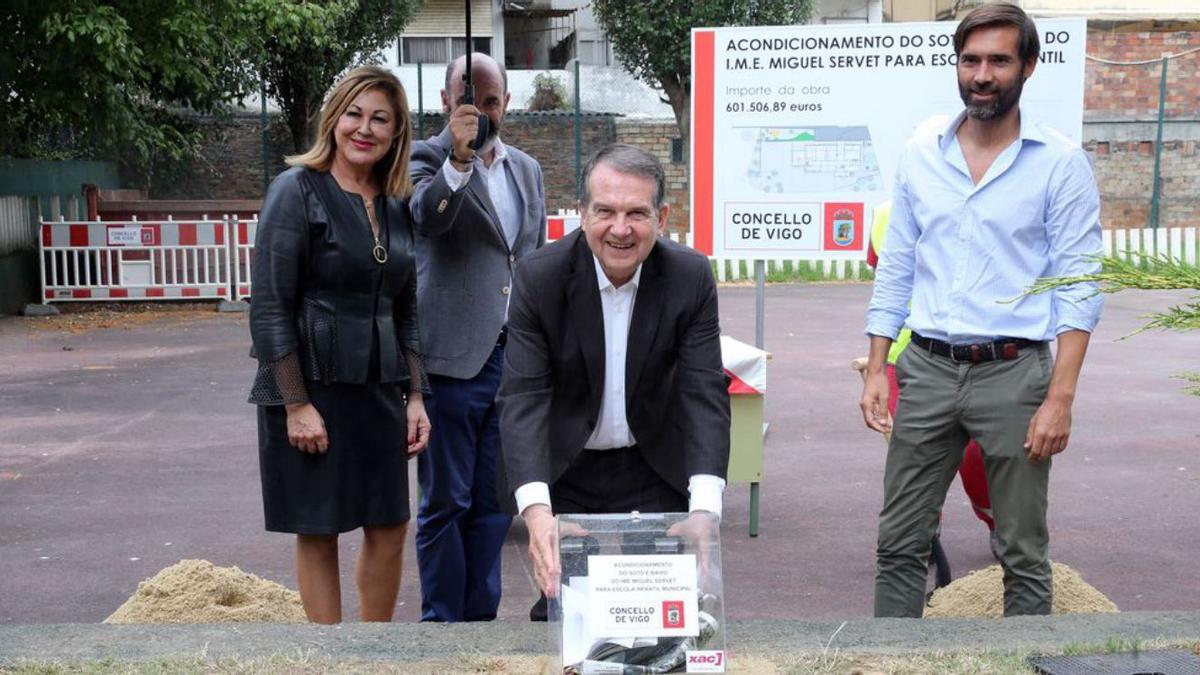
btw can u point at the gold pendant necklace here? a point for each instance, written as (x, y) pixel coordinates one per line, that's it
(378, 251)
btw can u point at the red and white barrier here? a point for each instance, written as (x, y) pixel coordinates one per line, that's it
(132, 260)
(561, 224)
(242, 236)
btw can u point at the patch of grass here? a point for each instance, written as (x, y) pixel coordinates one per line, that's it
(291, 663)
(793, 271)
(166, 666)
(1194, 378)
(1114, 645)
(943, 663)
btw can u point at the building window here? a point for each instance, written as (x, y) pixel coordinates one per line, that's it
(676, 150)
(483, 45)
(439, 49)
(595, 52)
(424, 50)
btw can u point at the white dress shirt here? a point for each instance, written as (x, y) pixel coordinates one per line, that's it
(612, 428)
(500, 188)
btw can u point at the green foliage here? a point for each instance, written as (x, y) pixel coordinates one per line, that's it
(548, 94)
(304, 53)
(106, 78)
(653, 38)
(792, 272)
(1151, 272)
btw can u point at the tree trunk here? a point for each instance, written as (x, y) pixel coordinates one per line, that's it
(313, 122)
(303, 116)
(680, 98)
(296, 118)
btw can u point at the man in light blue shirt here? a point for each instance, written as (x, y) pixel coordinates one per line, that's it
(984, 204)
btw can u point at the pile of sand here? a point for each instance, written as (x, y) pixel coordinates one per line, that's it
(196, 591)
(981, 594)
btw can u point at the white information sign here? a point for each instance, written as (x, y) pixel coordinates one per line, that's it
(810, 121)
(125, 236)
(643, 595)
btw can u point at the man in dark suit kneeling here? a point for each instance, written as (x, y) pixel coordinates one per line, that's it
(613, 396)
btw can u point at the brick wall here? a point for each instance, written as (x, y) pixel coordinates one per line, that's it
(1125, 173)
(1131, 92)
(229, 165)
(550, 139)
(656, 136)
(1123, 156)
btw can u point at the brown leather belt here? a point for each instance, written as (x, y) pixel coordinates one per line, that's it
(998, 350)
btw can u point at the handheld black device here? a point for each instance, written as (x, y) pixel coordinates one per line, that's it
(485, 123)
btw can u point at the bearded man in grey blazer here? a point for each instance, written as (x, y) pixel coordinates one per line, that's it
(477, 213)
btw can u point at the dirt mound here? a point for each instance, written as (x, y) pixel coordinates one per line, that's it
(196, 591)
(981, 594)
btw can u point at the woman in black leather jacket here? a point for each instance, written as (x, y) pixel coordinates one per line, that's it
(334, 322)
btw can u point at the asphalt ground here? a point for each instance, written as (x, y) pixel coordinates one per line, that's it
(125, 450)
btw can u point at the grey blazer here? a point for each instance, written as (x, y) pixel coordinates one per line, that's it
(464, 264)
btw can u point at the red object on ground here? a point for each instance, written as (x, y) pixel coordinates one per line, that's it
(970, 469)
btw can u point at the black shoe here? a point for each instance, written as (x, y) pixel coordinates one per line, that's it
(539, 612)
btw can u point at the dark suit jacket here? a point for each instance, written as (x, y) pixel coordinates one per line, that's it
(464, 262)
(677, 401)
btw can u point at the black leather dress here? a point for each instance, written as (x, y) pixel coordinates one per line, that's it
(333, 326)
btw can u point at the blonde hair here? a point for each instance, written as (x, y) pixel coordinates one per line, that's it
(392, 169)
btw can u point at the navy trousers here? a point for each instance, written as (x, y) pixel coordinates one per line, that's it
(460, 527)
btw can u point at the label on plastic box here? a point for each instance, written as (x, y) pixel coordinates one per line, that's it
(644, 595)
(700, 661)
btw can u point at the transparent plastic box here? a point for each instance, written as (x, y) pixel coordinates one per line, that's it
(639, 593)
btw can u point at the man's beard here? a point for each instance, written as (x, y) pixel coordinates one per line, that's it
(1005, 100)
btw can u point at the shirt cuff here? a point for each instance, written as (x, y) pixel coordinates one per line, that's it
(1082, 315)
(1065, 325)
(454, 178)
(705, 493)
(529, 494)
(884, 326)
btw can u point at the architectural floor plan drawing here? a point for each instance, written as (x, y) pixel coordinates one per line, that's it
(789, 160)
